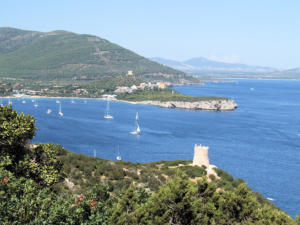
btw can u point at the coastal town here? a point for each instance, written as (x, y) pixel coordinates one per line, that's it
(20, 88)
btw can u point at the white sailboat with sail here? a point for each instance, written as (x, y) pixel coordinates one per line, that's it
(119, 156)
(138, 129)
(107, 116)
(60, 112)
(35, 104)
(49, 111)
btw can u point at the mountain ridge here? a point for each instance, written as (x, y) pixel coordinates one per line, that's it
(63, 55)
(209, 69)
(201, 64)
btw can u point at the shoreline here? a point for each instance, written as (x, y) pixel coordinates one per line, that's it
(204, 105)
(38, 96)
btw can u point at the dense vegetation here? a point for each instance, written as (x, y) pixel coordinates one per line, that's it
(163, 96)
(36, 187)
(65, 55)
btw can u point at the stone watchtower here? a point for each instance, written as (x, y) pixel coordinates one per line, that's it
(201, 156)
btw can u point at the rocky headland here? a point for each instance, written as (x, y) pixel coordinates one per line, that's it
(210, 105)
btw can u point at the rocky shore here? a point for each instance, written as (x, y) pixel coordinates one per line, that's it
(210, 105)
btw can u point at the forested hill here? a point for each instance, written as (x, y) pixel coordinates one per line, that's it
(65, 55)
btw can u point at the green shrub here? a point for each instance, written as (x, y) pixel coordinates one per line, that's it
(116, 174)
(193, 171)
(212, 177)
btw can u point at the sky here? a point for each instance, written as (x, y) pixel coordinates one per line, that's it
(255, 32)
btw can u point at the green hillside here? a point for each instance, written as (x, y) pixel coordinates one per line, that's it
(65, 55)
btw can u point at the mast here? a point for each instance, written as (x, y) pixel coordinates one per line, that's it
(107, 108)
(138, 130)
(60, 113)
(106, 115)
(35, 103)
(107, 112)
(118, 156)
(137, 116)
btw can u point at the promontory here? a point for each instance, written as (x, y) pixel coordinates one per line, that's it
(211, 105)
(172, 99)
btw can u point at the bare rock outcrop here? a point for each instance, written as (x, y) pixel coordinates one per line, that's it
(212, 105)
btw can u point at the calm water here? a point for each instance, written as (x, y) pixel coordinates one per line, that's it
(259, 142)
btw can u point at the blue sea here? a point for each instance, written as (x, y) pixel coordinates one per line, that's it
(259, 141)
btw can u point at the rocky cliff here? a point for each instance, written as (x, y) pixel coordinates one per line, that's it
(211, 105)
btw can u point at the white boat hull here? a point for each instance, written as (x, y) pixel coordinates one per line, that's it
(135, 132)
(108, 117)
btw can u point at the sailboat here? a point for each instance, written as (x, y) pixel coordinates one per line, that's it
(118, 156)
(137, 130)
(57, 101)
(49, 111)
(23, 101)
(9, 102)
(35, 104)
(60, 112)
(107, 116)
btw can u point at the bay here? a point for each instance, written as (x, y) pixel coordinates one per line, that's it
(259, 141)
